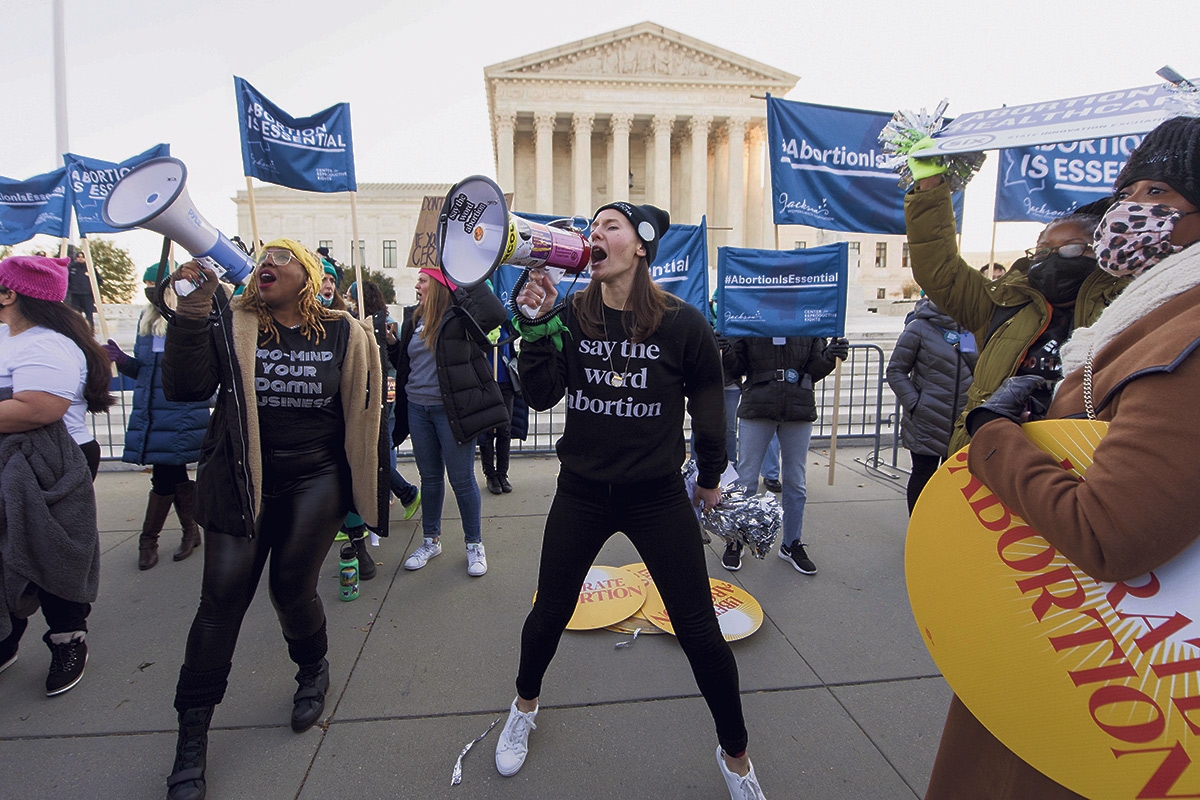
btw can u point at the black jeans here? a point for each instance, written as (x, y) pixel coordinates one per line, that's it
(495, 443)
(923, 468)
(658, 518)
(305, 497)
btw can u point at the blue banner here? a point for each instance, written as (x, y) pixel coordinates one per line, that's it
(680, 266)
(313, 154)
(827, 169)
(1046, 181)
(36, 205)
(92, 180)
(782, 292)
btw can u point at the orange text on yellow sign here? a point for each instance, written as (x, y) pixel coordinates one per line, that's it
(1094, 684)
(738, 613)
(608, 595)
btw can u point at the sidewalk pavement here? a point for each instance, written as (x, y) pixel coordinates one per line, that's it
(842, 701)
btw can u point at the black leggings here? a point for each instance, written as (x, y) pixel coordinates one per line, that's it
(305, 498)
(658, 518)
(923, 468)
(165, 477)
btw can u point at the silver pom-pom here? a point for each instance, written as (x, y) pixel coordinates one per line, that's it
(905, 129)
(1183, 97)
(753, 520)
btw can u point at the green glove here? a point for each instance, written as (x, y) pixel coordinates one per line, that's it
(552, 329)
(924, 167)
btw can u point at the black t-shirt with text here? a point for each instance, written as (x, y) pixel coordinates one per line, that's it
(296, 386)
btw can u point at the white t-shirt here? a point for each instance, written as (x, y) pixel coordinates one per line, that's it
(42, 360)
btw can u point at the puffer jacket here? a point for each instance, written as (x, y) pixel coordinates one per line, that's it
(159, 431)
(930, 375)
(779, 379)
(1006, 316)
(207, 356)
(470, 394)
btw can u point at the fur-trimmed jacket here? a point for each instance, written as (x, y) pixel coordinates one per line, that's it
(206, 356)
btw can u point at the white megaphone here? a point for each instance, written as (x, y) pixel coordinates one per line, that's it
(476, 234)
(153, 196)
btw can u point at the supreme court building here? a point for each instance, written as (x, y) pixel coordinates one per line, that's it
(644, 114)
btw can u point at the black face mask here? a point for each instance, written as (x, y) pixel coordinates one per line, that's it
(149, 290)
(1059, 279)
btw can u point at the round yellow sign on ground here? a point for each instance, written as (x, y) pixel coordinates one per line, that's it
(637, 621)
(608, 595)
(1094, 684)
(738, 613)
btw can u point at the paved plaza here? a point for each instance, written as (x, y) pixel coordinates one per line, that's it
(841, 698)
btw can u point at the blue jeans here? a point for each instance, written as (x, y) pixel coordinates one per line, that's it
(438, 455)
(733, 396)
(770, 465)
(754, 436)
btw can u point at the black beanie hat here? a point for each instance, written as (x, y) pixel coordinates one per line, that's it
(649, 222)
(1170, 153)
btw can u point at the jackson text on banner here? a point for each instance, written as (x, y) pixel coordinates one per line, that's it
(1089, 116)
(782, 292)
(681, 266)
(35, 205)
(313, 154)
(827, 169)
(1046, 181)
(91, 181)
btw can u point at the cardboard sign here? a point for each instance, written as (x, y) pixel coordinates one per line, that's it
(738, 613)
(1094, 684)
(423, 252)
(637, 621)
(608, 595)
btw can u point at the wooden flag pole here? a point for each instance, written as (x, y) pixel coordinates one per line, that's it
(255, 242)
(992, 254)
(837, 404)
(355, 254)
(87, 257)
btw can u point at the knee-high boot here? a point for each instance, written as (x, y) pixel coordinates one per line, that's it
(157, 508)
(185, 508)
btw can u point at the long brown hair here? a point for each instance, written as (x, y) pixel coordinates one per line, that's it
(434, 303)
(313, 315)
(63, 319)
(645, 307)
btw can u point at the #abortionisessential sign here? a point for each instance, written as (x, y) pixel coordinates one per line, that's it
(91, 181)
(1092, 683)
(35, 205)
(782, 292)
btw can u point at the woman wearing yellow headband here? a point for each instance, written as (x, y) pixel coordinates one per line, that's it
(295, 437)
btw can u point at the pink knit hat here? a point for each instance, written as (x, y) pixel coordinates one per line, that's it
(440, 277)
(35, 276)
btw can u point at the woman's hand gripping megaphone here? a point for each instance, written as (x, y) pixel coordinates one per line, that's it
(197, 302)
(539, 293)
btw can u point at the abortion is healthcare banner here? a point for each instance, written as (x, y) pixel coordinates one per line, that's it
(91, 181)
(827, 169)
(35, 205)
(1045, 181)
(1089, 116)
(782, 292)
(681, 266)
(313, 154)
(1093, 683)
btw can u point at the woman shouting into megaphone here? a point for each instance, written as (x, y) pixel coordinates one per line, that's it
(295, 437)
(633, 358)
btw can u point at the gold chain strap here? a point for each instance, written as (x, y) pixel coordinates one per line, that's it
(1088, 406)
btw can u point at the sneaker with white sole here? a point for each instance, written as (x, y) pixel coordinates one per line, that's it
(476, 560)
(798, 558)
(67, 660)
(731, 559)
(740, 787)
(514, 741)
(431, 548)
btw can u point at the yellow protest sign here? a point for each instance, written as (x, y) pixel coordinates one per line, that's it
(738, 613)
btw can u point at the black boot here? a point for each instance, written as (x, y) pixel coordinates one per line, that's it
(185, 509)
(366, 562)
(187, 776)
(503, 445)
(309, 701)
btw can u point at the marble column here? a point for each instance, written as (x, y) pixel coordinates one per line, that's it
(698, 128)
(756, 135)
(543, 126)
(720, 185)
(661, 194)
(506, 123)
(581, 160)
(737, 180)
(619, 127)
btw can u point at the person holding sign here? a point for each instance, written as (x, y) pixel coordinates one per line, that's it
(628, 357)
(1019, 322)
(295, 438)
(1135, 368)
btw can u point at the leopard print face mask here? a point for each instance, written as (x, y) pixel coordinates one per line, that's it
(1133, 237)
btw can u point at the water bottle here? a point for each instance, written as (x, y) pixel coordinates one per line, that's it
(348, 572)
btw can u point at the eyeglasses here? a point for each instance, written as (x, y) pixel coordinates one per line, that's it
(277, 257)
(1073, 250)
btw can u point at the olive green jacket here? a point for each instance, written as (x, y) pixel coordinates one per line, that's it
(1006, 316)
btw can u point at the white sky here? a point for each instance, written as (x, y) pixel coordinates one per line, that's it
(144, 71)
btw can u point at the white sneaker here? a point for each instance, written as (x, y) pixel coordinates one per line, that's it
(476, 560)
(740, 788)
(420, 557)
(514, 741)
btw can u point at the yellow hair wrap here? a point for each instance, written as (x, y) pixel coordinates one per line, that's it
(312, 265)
